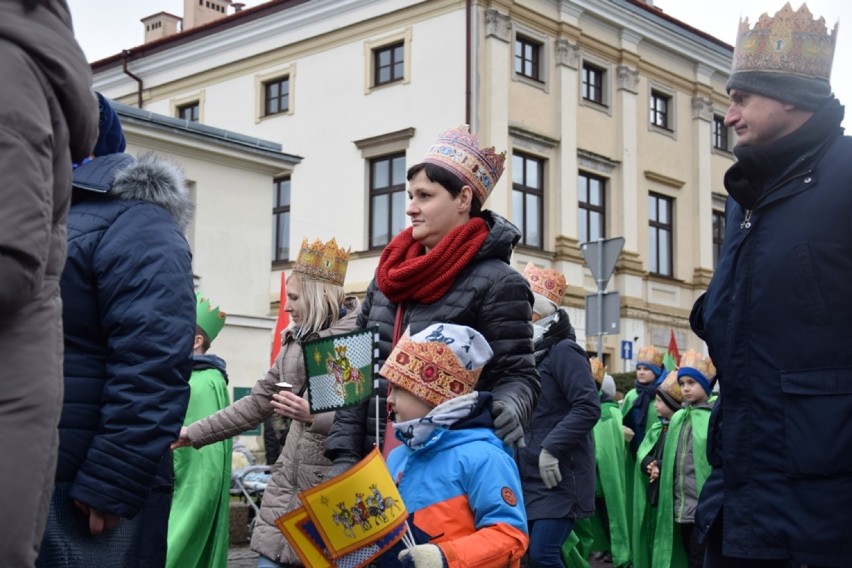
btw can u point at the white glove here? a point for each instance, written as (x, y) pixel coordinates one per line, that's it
(548, 466)
(422, 556)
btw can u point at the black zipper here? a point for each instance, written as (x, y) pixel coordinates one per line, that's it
(746, 222)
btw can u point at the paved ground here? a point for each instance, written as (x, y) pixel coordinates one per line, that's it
(242, 557)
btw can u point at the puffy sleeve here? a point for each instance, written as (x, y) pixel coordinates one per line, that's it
(146, 306)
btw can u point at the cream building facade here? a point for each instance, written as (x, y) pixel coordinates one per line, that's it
(609, 111)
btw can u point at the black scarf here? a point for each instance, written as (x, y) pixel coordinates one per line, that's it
(558, 330)
(758, 166)
(635, 418)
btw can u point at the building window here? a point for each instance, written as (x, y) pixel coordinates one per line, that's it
(276, 96)
(528, 197)
(388, 64)
(528, 58)
(387, 198)
(661, 110)
(593, 83)
(591, 222)
(189, 112)
(718, 235)
(660, 231)
(281, 220)
(720, 133)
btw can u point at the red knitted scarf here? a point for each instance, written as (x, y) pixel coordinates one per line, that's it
(406, 273)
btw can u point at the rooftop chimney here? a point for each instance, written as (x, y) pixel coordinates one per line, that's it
(160, 25)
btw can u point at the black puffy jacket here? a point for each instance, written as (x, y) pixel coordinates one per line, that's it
(129, 321)
(489, 296)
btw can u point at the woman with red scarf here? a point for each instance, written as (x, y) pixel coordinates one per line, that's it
(452, 266)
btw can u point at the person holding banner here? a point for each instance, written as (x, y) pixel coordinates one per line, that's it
(458, 480)
(318, 308)
(451, 265)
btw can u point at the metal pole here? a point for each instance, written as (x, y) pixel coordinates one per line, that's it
(600, 299)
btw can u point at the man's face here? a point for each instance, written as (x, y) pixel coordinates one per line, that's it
(759, 120)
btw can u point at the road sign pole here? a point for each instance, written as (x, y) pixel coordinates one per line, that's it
(600, 284)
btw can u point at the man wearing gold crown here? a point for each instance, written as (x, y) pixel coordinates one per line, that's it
(777, 314)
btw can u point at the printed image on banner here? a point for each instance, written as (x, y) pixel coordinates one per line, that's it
(340, 369)
(356, 509)
(303, 536)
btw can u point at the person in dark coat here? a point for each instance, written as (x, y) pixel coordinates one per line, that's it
(451, 266)
(778, 312)
(49, 118)
(129, 324)
(557, 464)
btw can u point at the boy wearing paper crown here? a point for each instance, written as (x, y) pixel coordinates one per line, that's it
(684, 467)
(198, 523)
(645, 475)
(457, 478)
(557, 463)
(777, 313)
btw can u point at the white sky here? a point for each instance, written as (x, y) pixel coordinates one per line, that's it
(105, 27)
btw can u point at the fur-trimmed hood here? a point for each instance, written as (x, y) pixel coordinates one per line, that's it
(149, 178)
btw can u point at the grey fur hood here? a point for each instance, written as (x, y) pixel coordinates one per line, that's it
(149, 178)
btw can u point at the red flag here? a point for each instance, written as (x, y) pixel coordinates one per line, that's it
(672, 358)
(283, 320)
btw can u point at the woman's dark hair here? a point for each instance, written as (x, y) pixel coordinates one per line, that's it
(448, 180)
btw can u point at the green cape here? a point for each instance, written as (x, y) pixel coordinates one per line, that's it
(644, 516)
(609, 458)
(629, 459)
(668, 546)
(198, 523)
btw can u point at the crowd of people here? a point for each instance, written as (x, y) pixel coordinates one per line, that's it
(505, 439)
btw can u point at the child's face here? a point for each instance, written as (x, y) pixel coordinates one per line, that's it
(693, 393)
(663, 410)
(406, 405)
(645, 375)
(294, 300)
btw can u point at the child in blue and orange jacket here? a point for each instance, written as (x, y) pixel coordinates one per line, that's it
(458, 480)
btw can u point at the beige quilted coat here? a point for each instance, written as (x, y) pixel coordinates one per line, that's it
(301, 464)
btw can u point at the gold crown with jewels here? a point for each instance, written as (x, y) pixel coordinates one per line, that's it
(792, 42)
(458, 151)
(322, 261)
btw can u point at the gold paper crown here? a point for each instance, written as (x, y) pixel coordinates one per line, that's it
(792, 42)
(598, 369)
(671, 388)
(429, 370)
(211, 320)
(699, 362)
(458, 151)
(650, 354)
(545, 281)
(322, 261)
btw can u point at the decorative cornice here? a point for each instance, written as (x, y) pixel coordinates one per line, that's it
(498, 25)
(538, 141)
(568, 54)
(665, 180)
(702, 109)
(627, 79)
(568, 248)
(701, 277)
(390, 137)
(592, 161)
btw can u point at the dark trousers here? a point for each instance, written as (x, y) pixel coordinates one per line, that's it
(546, 538)
(694, 549)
